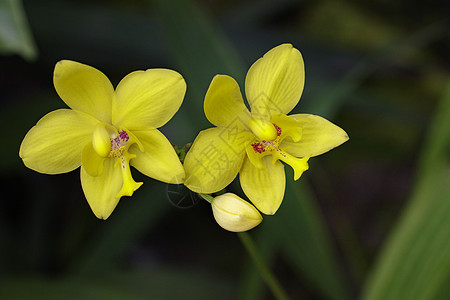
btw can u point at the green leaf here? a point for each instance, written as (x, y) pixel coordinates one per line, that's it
(15, 34)
(333, 95)
(298, 232)
(415, 262)
(251, 285)
(305, 241)
(199, 50)
(113, 237)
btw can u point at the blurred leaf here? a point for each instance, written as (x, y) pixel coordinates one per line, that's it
(346, 25)
(199, 50)
(298, 232)
(251, 285)
(152, 283)
(114, 37)
(336, 93)
(415, 262)
(15, 34)
(305, 241)
(113, 236)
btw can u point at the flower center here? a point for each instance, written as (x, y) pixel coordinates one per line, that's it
(110, 143)
(119, 144)
(262, 148)
(262, 129)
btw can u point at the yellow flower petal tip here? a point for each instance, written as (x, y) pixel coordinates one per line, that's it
(102, 131)
(300, 165)
(104, 212)
(235, 214)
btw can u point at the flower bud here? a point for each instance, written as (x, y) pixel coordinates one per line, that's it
(235, 214)
(263, 130)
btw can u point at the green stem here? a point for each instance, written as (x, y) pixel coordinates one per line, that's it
(264, 270)
(207, 197)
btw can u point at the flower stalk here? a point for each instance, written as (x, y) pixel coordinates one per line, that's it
(272, 282)
(207, 197)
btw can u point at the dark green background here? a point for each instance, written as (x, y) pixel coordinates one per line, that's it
(370, 219)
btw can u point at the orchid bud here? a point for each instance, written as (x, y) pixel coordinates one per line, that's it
(235, 214)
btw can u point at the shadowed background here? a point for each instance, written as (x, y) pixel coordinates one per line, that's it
(369, 219)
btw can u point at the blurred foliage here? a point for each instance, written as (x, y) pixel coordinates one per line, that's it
(15, 34)
(369, 220)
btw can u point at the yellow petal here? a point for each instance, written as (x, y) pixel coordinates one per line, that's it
(299, 165)
(148, 98)
(256, 152)
(318, 136)
(101, 191)
(253, 156)
(214, 159)
(264, 186)
(84, 88)
(159, 160)
(129, 185)
(224, 105)
(54, 145)
(275, 82)
(235, 214)
(289, 127)
(91, 161)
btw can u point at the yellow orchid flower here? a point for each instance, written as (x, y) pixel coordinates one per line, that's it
(106, 130)
(253, 143)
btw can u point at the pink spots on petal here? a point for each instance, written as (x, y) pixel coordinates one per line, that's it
(118, 144)
(115, 143)
(278, 129)
(258, 147)
(268, 146)
(123, 135)
(281, 152)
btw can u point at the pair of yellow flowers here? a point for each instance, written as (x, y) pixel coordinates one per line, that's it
(107, 130)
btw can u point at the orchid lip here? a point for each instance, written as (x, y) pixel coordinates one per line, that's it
(263, 148)
(108, 142)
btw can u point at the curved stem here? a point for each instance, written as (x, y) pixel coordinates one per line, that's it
(264, 271)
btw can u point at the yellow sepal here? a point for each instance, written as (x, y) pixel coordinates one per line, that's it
(264, 186)
(156, 158)
(215, 159)
(318, 136)
(224, 105)
(274, 83)
(84, 88)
